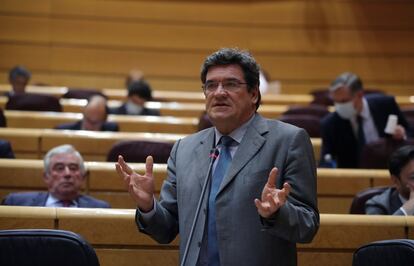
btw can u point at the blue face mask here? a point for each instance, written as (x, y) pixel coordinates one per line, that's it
(345, 110)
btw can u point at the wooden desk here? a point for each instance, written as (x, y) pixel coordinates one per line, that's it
(336, 187)
(32, 119)
(189, 96)
(116, 238)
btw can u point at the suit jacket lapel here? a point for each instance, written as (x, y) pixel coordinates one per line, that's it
(202, 152)
(251, 143)
(40, 199)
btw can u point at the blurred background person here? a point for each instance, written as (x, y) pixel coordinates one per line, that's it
(139, 92)
(64, 175)
(6, 150)
(95, 114)
(133, 75)
(358, 119)
(19, 77)
(399, 199)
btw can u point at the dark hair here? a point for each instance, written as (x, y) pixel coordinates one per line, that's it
(230, 56)
(400, 158)
(140, 88)
(19, 71)
(349, 80)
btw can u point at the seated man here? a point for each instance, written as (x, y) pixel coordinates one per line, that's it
(64, 175)
(6, 150)
(398, 200)
(358, 119)
(94, 117)
(19, 77)
(139, 92)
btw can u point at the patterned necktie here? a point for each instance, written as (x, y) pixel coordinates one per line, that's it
(223, 164)
(66, 203)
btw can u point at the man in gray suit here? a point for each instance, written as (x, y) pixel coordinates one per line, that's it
(64, 175)
(266, 200)
(397, 200)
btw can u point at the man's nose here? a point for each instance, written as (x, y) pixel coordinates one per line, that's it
(67, 172)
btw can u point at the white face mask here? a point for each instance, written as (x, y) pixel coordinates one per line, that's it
(345, 110)
(133, 109)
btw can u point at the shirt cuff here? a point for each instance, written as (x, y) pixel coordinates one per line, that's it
(146, 216)
(403, 211)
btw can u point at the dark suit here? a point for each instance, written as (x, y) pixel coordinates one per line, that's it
(39, 199)
(107, 126)
(338, 138)
(6, 150)
(121, 110)
(387, 203)
(243, 237)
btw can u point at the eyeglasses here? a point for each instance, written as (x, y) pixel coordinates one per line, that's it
(227, 85)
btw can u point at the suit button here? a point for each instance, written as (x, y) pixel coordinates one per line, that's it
(205, 211)
(199, 244)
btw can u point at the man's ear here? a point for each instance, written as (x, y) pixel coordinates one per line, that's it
(396, 181)
(46, 177)
(255, 95)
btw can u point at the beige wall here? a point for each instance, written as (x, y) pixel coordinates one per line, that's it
(304, 44)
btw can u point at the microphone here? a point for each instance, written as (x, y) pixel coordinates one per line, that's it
(214, 153)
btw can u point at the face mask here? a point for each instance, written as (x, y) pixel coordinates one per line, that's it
(345, 110)
(133, 109)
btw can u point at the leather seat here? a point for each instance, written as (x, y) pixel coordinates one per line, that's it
(312, 109)
(358, 203)
(34, 102)
(77, 93)
(308, 122)
(375, 155)
(45, 247)
(395, 252)
(137, 151)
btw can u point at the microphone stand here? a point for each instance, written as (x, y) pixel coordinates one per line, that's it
(213, 155)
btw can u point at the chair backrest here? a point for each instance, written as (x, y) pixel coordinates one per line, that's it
(375, 155)
(308, 122)
(358, 203)
(45, 247)
(204, 122)
(398, 252)
(3, 121)
(321, 96)
(137, 151)
(312, 109)
(77, 93)
(34, 102)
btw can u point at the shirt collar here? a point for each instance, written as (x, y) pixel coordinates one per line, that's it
(53, 202)
(236, 134)
(365, 113)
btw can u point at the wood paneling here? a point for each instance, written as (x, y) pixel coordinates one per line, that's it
(116, 239)
(304, 44)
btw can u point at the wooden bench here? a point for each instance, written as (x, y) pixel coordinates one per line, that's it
(94, 146)
(154, 124)
(116, 240)
(175, 109)
(33, 143)
(336, 187)
(188, 96)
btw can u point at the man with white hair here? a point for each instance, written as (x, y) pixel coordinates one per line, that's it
(64, 175)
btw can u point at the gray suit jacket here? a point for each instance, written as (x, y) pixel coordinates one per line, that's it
(243, 237)
(387, 203)
(39, 199)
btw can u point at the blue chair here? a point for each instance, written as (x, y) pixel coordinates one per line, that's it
(45, 247)
(398, 252)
